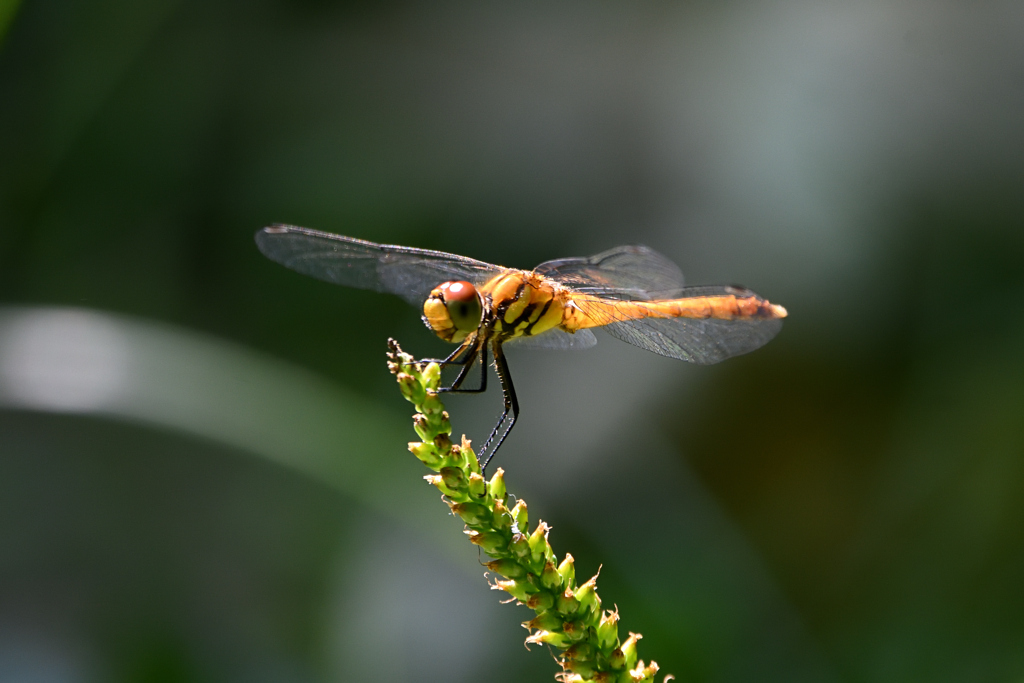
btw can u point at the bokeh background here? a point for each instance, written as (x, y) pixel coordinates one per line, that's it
(203, 473)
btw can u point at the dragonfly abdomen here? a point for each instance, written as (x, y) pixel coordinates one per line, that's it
(726, 307)
(587, 311)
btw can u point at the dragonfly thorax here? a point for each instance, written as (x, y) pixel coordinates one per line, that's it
(453, 310)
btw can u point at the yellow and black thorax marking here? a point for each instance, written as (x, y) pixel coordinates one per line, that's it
(520, 304)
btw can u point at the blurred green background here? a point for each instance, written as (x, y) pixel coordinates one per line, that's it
(203, 473)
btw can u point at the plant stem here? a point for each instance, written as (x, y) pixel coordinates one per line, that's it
(568, 616)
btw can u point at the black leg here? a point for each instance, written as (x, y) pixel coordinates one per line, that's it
(468, 352)
(508, 392)
(456, 386)
(450, 360)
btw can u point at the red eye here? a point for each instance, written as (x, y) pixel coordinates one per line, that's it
(458, 291)
(462, 304)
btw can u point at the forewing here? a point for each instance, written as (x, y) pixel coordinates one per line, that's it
(627, 272)
(556, 339)
(698, 340)
(406, 271)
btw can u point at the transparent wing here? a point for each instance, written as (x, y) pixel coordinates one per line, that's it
(627, 272)
(698, 340)
(406, 271)
(556, 339)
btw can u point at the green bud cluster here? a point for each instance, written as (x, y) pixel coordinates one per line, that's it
(568, 616)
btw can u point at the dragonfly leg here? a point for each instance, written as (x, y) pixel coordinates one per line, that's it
(450, 360)
(456, 386)
(508, 392)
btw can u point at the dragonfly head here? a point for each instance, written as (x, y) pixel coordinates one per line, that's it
(453, 310)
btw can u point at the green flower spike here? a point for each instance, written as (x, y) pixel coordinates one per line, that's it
(568, 616)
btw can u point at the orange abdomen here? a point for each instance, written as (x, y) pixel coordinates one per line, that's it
(583, 311)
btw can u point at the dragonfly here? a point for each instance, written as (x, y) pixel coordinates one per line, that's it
(632, 292)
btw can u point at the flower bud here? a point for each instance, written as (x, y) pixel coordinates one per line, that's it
(476, 485)
(422, 427)
(608, 629)
(545, 621)
(540, 602)
(520, 590)
(438, 481)
(566, 603)
(444, 426)
(425, 453)
(396, 354)
(496, 487)
(644, 673)
(567, 569)
(520, 516)
(454, 458)
(510, 569)
(500, 518)
(580, 652)
(584, 671)
(453, 478)
(576, 629)
(431, 406)
(550, 637)
(549, 577)
(489, 541)
(539, 546)
(588, 597)
(447, 492)
(628, 649)
(443, 443)
(411, 389)
(432, 376)
(520, 548)
(469, 457)
(473, 514)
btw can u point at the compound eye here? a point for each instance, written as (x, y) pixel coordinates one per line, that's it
(463, 304)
